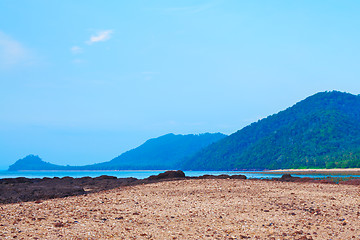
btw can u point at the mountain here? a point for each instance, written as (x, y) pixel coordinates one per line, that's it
(165, 152)
(32, 162)
(322, 131)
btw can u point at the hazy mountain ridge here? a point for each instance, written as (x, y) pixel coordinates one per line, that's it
(321, 131)
(164, 152)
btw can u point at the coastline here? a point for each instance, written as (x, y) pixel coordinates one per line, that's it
(345, 171)
(197, 209)
(22, 189)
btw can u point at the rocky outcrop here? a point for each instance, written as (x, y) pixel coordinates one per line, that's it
(289, 178)
(168, 175)
(32, 189)
(222, 176)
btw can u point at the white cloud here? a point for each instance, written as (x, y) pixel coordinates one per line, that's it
(76, 50)
(12, 52)
(100, 37)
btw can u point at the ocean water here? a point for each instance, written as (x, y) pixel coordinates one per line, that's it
(141, 174)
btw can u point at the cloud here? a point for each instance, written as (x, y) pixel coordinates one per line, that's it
(100, 37)
(12, 52)
(76, 50)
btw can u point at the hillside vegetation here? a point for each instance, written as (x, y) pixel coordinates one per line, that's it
(322, 131)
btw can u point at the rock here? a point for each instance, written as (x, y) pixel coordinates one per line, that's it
(59, 224)
(106, 177)
(222, 176)
(15, 180)
(168, 175)
(239, 176)
(65, 178)
(288, 178)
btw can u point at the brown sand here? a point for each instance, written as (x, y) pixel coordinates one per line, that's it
(192, 209)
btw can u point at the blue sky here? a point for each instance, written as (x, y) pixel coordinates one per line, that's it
(83, 81)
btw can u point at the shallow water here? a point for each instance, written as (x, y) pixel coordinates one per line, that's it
(141, 174)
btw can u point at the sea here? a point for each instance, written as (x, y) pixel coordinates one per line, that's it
(141, 174)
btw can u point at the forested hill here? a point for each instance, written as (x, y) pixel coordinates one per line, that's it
(165, 152)
(322, 131)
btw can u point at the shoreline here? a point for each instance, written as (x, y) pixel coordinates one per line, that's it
(197, 209)
(345, 171)
(24, 189)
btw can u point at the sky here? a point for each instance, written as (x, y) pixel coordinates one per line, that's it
(83, 81)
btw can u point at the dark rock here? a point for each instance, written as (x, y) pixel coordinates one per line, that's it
(168, 175)
(59, 224)
(206, 176)
(15, 180)
(239, 176)
(222, 176)
(288, 178)
(106, 177)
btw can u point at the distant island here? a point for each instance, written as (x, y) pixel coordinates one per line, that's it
(322, 131)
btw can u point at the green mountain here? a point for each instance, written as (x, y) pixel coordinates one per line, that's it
(165, 152)
(322, 131)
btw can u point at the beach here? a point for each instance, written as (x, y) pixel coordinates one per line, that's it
(192, 209)
(344, 171)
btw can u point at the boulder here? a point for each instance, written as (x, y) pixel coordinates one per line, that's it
(168, 175)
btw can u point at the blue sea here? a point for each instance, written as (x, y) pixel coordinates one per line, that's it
(144, 174)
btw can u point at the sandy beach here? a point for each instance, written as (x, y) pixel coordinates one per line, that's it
(339, 171)
(192, 209)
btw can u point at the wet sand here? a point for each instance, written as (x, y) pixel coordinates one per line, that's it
(192, 209)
